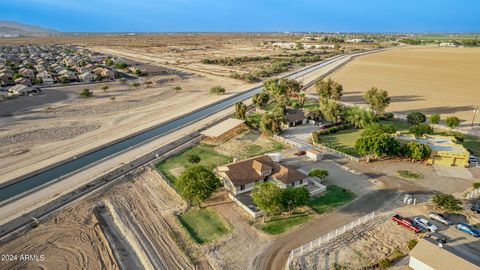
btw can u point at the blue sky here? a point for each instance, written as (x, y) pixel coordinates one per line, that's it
(246, 15)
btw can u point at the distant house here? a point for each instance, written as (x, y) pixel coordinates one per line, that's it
(104, 73)
(39, 68)
(20, 90)
(68, 74)
(6, 79)
(46, 78)
(314, 154)
(430, 255)
(26, 73)
(86, 77)
(295, 117)
(86, 68)
(24, 81)
(240, 177)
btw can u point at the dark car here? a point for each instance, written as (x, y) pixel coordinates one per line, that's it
(476, 208)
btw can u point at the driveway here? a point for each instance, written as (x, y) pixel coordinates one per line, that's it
(449, 171)
(301, 132)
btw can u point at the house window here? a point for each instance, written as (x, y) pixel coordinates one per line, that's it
(242, 187)
(301, 181)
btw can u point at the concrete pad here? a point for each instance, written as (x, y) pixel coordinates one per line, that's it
(353, 181)
(457, 172)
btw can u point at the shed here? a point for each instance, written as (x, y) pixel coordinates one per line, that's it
(224, 130)
(314, 154)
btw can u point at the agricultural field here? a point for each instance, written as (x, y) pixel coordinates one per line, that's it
(425, 79)
(203, 225)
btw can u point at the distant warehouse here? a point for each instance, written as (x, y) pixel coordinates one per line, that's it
(445, 150)
(223, 130)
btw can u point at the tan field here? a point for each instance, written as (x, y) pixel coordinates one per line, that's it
(428, 79)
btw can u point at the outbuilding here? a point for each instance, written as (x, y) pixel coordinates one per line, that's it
(314, 154)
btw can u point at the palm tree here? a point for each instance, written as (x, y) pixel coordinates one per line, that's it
(240, 110)
(301, 99)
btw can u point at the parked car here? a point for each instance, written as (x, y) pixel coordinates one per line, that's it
(425, 224)
(472, 159)
(440, 218)
(476, 207)
(407, 223)
(468, 229)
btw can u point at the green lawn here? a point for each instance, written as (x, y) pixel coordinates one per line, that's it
(209, 157)
(203, 225)
(278, 225)
(334, 197)
(311, 105)
(409, 174)
(344, 140)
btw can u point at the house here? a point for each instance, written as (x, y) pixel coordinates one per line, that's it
(240, 177)
(19, 90)
(86, 68)
(39, 68)
(24, 81)
(295, 117)
(6, 79)
(104, 73)
(46, 78)
(314, 154)
(68, 74)
(3, 94)
(445, 150)
(86, 77)
(26, 73)
(430, 255)
(223, 130)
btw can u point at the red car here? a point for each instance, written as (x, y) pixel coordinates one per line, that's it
(407, 223)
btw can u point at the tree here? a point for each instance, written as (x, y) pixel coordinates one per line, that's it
(416, 118)
(271, 122)
(452, 122)
(105, 88)
(320, 173)
(177, 88)
(292, 87)
(332, 110)
(359, 117)
(17, 76)
(136, 84)
(378, 100)
(64, 80)
(416, 151)
(329, 89)
(86, 93)
(301, 99)
(112, 98)
(121, 65)
(196, 184)
(447, 202)
(421, 129)
(240, 110)
(377, 128)
(435, 118)
(260, 99)
(193, 158)
(217, 90)
(268, 197)
(294, 197)
(381, 145)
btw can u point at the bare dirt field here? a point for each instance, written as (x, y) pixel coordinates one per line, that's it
(75, 239)
(425, 79)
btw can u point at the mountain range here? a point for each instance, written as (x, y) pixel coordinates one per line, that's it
(14, 28)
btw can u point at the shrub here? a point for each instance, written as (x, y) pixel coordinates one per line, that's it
(376, 128)
(435, 118)
(421, 129)
(384, 263)
(416, 118)
(315, 137)
(476, 185)
(86, 93)
(411, 243)
(217, 90)
(452, 121)
(193, 159)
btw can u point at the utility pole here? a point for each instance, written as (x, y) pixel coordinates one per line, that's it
(474, 114)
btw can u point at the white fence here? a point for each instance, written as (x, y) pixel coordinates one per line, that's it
(473, 194)
(288, 141)
(337, 153)
(326, 238)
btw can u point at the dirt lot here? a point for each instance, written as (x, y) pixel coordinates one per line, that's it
(426, 79)
(74, 238)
